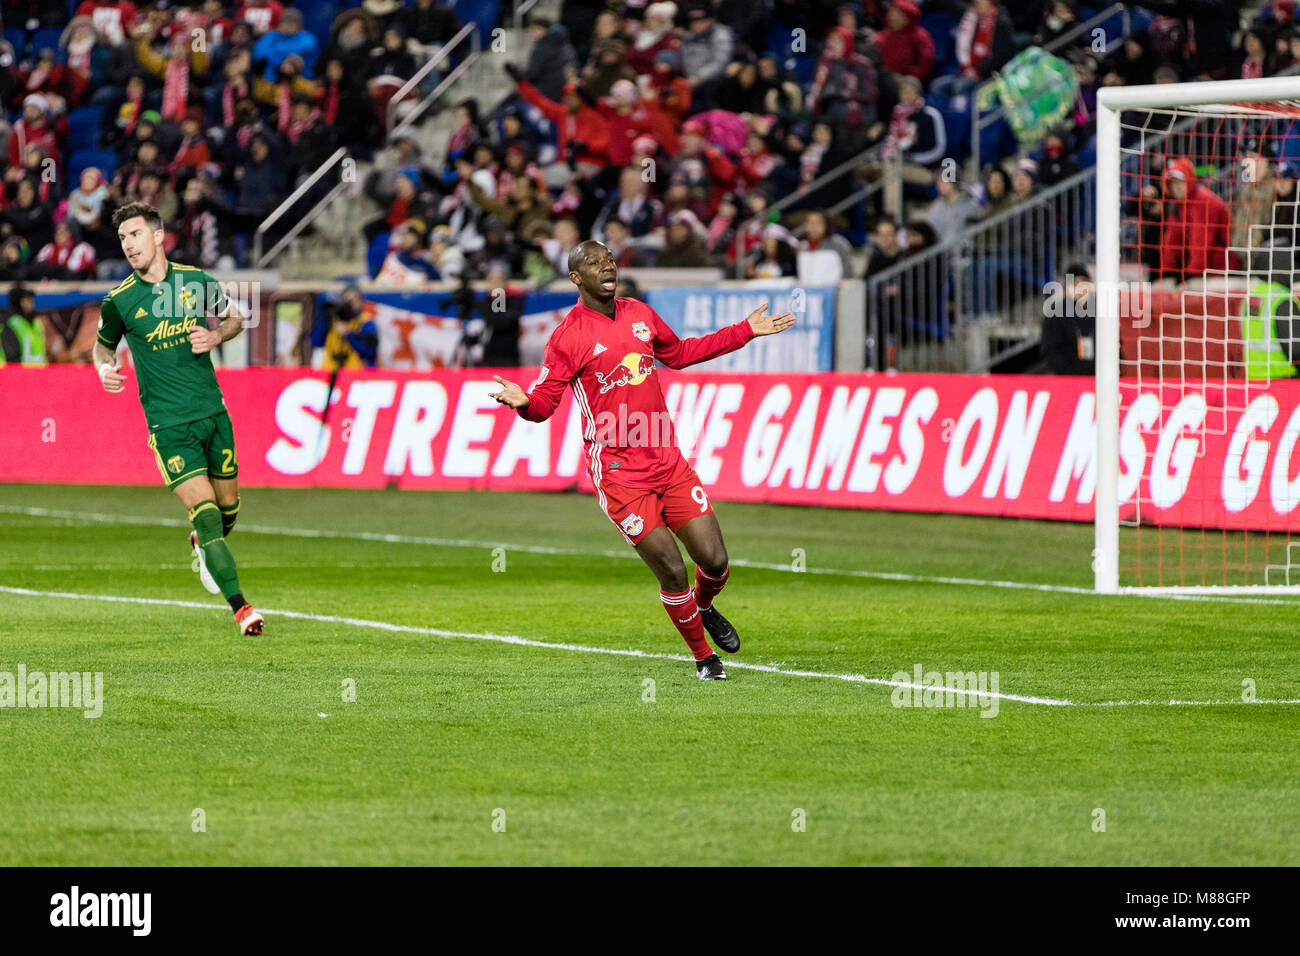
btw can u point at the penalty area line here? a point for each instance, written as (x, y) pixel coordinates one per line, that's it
(83, 517)
(620, 652)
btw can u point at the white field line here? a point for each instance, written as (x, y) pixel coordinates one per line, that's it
(83, 517)
(616, 652)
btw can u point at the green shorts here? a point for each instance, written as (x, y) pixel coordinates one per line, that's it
(205, 447)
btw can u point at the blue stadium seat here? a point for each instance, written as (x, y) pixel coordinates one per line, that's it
(105, 160)
(376, 253)
(317, 17)
(47, 37)
(83, 128)
(941, 28)
(17, 38)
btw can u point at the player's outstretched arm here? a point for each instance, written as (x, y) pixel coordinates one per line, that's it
(106, 361)
(763, 324)
(510, 394)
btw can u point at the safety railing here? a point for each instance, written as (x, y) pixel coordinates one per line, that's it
(978, 298)
(466, 34)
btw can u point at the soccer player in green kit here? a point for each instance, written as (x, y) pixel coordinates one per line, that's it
(162, 310)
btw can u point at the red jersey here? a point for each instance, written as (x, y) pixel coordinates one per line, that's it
(610, 365)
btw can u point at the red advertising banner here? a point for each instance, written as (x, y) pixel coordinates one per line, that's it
(1213, 455)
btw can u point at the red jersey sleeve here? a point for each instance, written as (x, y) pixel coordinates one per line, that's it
(558, 369)
(679, 353)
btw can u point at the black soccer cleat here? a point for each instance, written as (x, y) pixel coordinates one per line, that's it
(720, 629)
(710, 669)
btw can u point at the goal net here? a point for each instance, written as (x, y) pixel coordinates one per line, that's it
(1198, 337)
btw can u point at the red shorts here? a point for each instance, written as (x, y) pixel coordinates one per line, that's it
(638, 511)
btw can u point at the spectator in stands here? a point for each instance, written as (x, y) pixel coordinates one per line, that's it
(153, 189)
(392, 58)
(631, 112)
(1024, 181)
(53, 80)
(777, 257)
(260, 186)
(431, 23)
(633, 203)
(672, 89)
(185, 66)
(35, 169)
(703, 168)
(984, 43)
(127, 178)
(1196, 226)
(86, 202)
(618, 239)
(685, 248)
(741, 90)
(35, 128)
(66, 257)
(288, 39)
(14, 256)
(885, 249)
(1213, 25)
(952, 210)
(997, 193)
(655, 36)
(1057, 165)
(263, 15)
(28, 217)
(407, 264)
(1059, 18)
(606, 25)
(916, 140)
(345, 108)
(1134, 63)
(581, 132)
(1255, 59)
(516, 210)
(198, 234)
(114, 19)
(447, 257)
(818, 237)
(906, 49)
(784, 95)
(1070, 326)
(401, 193)
(551, 54)
(515, 132)
(194, 150)
(609, 68)
(352, 35)
(707, 48)
(844, 89)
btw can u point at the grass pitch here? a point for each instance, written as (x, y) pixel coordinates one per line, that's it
(584, 757)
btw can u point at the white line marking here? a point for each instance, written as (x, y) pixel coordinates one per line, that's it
(627, 554)
(616, 652)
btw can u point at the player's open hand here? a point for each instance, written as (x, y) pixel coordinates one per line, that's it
(510, 394)
(763, 324)
(113, 380)
(204, 340)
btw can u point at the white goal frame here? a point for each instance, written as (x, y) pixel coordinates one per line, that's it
(1111, 101)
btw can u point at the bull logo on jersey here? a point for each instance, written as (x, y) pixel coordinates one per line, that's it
(633, 370)
(632, 525)
(641, 331)
(175, 463)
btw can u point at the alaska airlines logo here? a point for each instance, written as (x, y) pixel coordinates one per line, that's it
(633, 370)
(165, 330)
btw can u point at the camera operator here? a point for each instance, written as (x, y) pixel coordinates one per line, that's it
(346, 331)
(491, 341)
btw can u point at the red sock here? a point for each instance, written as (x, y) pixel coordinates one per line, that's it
(686, 616)
(707, 586)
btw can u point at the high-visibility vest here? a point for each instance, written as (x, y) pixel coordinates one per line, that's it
(1264, 357)
(31, 336)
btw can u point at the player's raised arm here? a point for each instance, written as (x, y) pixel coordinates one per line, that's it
(679, 353)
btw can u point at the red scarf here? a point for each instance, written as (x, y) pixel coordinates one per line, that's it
(330, 111)
(228, 97)
(975, 37)
(176, 89)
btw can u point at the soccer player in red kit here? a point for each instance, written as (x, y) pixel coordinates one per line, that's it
(605, 349)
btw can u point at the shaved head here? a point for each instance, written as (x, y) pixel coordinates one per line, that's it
(580, 252)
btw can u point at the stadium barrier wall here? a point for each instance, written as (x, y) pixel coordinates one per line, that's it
(1019, 446)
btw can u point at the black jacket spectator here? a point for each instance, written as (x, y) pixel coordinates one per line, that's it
(551, 53)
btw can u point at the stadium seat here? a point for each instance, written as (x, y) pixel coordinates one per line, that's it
(105, 160)
(941, 28)
(46, 38)
(376, 253)
(17, 38)
(317, 17)
(83, 128)
(483, 12)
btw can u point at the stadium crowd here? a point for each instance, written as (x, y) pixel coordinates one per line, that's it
(666, 129)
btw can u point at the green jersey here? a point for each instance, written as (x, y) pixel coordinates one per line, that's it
(176, 386)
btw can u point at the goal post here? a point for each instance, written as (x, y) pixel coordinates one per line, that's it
(1197, 409)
